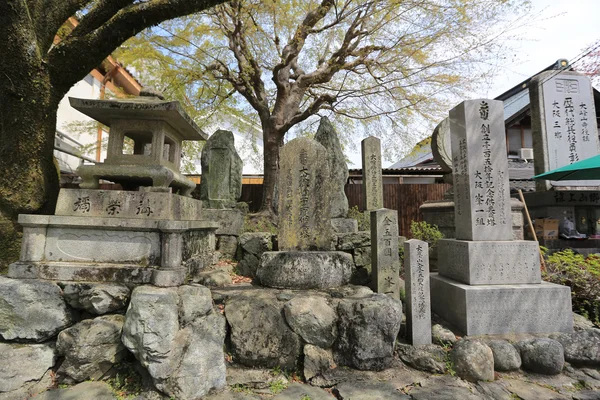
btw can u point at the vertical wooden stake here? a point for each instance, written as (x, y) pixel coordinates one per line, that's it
(542, 262)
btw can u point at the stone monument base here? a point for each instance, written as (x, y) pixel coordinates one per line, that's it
(305, 269)
(81, 272)
(500, 309)
(489, 262)
(344, 225)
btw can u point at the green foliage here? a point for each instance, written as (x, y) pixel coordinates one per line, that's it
(277, 386)
(363, 219)
(126, 384)
(240, 388)
(582, 275)
(428, 233)
(259, 223)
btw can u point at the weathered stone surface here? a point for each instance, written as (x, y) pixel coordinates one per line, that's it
(305, 270)
(316, 361)
(385, 260)
(227, 245)
(443, 387)
(96, 299)
(582, 347)
(531, 391)
(256, 242)
(91, 348)
(362, 256)
(20, 364)
(313, 319)
(327, 136)
(32, 310)
(231, 221)
(545, 356)
(260, 336)
(473, 360)
(371, 167)
(304, 197)
(344, 225)
(368, 391)
(418, 303)
(85, 390)
(506, 356)
(350, 241)
(180, 346)
(214, 278)
(367, 328)
(441, 146)
(430, 358)
(299, 391)
(442, 336)
(581, 323)
(221, 184)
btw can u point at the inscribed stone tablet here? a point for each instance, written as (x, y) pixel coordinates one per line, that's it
(371, 168)
(385, 261)
(418, 303)
(441, 147)
(563, 119)
(480, 171)
(304, 196)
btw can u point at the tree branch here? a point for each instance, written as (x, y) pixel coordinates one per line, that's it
(102, 11)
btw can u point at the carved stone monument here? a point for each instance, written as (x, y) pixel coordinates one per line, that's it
(418, 303)
(371, 170)
(125, 236)
(221, 184)
(385, 260)
(487, 282)
(305, 232)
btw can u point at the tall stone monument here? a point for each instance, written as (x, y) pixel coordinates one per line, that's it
(487, 282)
(418, 303)
(385, 260)
(221, 184)
(563, 119)
(371, 171)
(305, 233)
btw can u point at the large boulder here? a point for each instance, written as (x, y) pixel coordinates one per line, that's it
(96, 298)
(327, 136)
(32, 310)
(91, 348)
(313, 319)
(429, 357)
(506, 356)
(367, 328)
(581, 347)
(178, 338)
(260, 337)
(545, 356)
(21, 364)
(473, 360)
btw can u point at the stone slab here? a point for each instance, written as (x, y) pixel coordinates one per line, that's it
(344, 225)
(371, 169)
(230, 222)
(562, 123)
(489, 262)
(480, 171)
(418, 299)
(305, 269)
(500, 309)
(81, 272)
(385, 259)
(127, 204)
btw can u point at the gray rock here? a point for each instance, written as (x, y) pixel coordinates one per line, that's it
(305, 269)
(587, 395)
(349, 241)
(91, 348)
(531, 391)
(85, 390)
(95, 298)
(327, 136)
(581, 347)
(32, 310)
(344, 225)
(473, 360)
(316, 361)
(368, 391)
(581, 323)
(298, 391)
(313, 319)
(260, 337)
(506, 356)
(430, 358)
(185, 361)
(20, 364)
(256, 242)
(545, 356)
(442, 336)
(227, 245)
(215, 278)
(443, 388)
(221, 184)
(367, 328)
(362, 256)
(248, 265)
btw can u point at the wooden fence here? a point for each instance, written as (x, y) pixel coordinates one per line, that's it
(405, 198)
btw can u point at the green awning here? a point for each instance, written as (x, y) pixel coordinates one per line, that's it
(588, 169)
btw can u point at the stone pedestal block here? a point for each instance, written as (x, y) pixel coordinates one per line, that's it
(305, 269)
(500, 309)
(489, 263)
(344, 225)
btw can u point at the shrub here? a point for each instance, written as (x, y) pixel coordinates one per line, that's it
(582, 275)
(259, 223)
(423, 231)
(363, 218)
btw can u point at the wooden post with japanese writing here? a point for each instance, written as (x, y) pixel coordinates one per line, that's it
(385, 260)
(371, 171)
